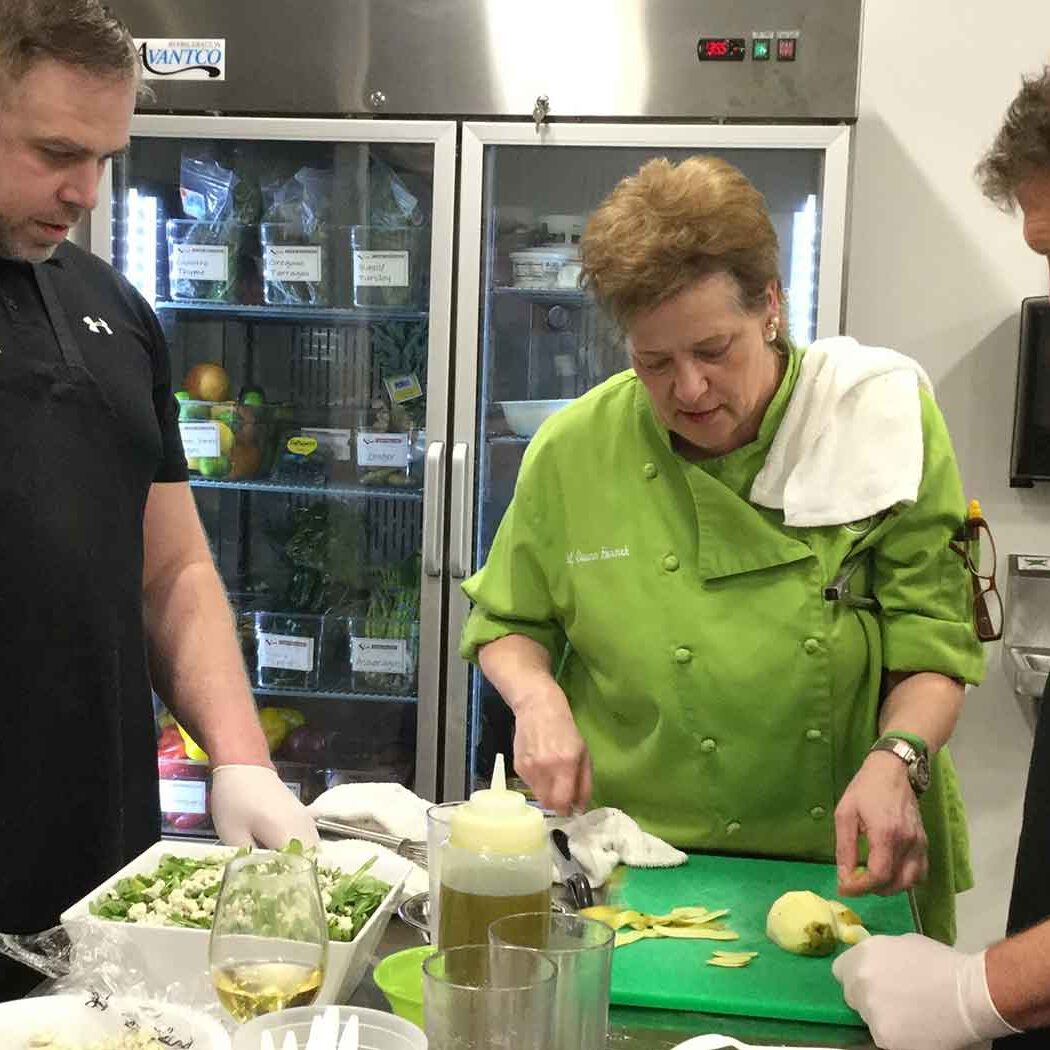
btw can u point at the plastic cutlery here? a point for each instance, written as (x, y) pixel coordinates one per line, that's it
(290, 1042)
(266, 1042)
(351, 1034)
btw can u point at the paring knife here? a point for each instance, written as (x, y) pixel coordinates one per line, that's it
(571, 873)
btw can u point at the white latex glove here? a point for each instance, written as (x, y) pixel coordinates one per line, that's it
(250, 806)
(918, 994)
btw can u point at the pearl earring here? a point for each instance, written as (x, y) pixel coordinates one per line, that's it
(771, 331)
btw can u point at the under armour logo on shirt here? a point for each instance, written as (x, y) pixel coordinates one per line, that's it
(98, 327)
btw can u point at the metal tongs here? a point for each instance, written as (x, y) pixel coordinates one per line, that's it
(572, 875)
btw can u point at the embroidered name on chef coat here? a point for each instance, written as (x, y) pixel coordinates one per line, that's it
(578, 557)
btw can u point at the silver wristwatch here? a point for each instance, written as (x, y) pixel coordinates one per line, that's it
(917, 761)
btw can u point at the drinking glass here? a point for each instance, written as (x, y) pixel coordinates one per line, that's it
(439, 827)
(269, 936)
(488, 997)
(581, 949)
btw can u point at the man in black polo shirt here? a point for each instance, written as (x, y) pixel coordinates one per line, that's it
(106, 581)
(914, 993)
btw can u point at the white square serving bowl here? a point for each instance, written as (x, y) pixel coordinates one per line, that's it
(163, 956)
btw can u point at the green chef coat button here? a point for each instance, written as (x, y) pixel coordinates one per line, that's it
(671, 563)
(708, 745)
(811, 645)
(814, 734)
(818, 812)
(683, 655)
(732, 827)
(650, 470)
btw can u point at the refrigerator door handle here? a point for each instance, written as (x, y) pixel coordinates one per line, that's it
(433, 507)
(459, 539)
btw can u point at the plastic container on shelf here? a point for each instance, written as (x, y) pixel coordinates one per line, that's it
(541, 268)
(390, 459)
(288, 649)
(227, 440)
(390, 266)
(185, 790)
(295, 265)
(383, 655)
(335, 672)
(301, 459)
(203, 259)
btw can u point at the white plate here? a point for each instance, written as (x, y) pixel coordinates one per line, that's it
(76, 1020)
(176, 955)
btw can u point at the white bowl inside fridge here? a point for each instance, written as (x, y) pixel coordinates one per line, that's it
(177, 955)
(84, 1020)
(525, 417)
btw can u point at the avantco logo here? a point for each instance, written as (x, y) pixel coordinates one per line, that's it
(185, 59)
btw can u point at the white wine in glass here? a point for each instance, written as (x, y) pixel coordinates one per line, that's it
(269, 937)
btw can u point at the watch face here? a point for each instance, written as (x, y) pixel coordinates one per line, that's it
(921, 773)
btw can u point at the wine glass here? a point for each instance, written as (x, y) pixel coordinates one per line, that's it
(269, 937)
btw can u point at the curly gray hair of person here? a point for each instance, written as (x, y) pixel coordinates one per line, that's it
(1022, 147)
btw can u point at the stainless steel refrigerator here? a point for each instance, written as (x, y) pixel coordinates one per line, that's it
(367, 214)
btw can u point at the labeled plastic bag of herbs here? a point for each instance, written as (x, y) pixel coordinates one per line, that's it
(392, 613)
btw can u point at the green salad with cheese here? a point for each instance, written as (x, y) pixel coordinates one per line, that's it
(182, 891)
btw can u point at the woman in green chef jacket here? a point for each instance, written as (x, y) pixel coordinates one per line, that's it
(654, 607)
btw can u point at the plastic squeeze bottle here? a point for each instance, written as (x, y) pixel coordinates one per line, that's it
(495, 862)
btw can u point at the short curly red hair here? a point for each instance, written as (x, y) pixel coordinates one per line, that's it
(671, 224)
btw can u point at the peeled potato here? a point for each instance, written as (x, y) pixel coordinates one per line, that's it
(802, 923)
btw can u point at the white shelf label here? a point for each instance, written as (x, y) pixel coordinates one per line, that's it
(295, 789)
(339, 442)
(292, 263)
(286, 651)
(380, 269)
(387, 655)
(183, 796)
(200, 440)
(382, 450)
(200, 262)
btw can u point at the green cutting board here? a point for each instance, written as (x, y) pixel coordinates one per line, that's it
(674, 975)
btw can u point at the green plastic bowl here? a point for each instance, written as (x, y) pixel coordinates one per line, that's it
(400, 978)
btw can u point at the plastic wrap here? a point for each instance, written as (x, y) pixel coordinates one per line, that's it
(295, 233)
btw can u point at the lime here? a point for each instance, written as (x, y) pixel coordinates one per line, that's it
(182, 395)
(215, 466)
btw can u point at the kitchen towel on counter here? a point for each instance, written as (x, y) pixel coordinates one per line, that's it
(604, 838)
(390, 808)
(850, 443)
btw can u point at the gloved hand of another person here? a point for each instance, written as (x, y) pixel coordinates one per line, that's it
(918, 994)
(251, 806)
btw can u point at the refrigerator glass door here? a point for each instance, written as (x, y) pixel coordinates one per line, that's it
(529, 341)
(300, 274)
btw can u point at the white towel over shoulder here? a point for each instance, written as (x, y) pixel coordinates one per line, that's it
(850, 443)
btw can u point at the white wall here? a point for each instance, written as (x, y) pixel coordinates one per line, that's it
(936, 272)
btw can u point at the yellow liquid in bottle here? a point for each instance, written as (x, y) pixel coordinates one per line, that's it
(464, 918)
(248, 989)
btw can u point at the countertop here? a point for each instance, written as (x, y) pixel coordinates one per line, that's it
(632, 1028)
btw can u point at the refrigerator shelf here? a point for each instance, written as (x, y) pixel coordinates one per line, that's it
(570, 296)
(343, 492)
(507, 439)
(331, 694)
(291, 314)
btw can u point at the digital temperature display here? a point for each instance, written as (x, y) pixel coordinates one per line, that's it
(721, 49)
